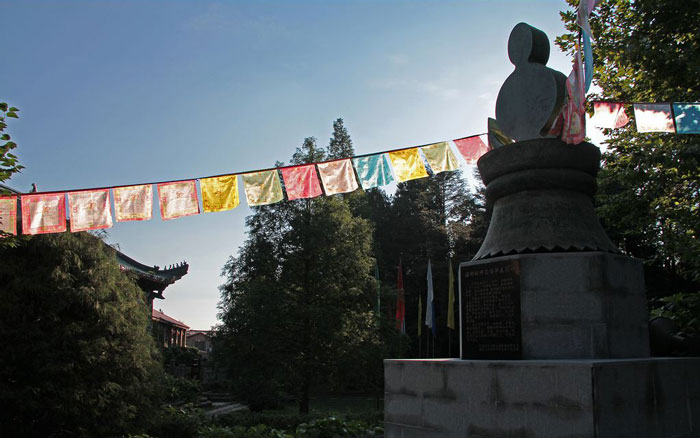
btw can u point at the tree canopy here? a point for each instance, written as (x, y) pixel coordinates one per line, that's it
(80, 361)
(649, 187)
(296, 298)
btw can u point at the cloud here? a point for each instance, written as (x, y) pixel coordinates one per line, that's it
(398, 59)
(213, 19)
(439, 88)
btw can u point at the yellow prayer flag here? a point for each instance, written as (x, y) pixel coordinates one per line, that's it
(407, 164)
(262, 187)
(219, 193)
(440, 157)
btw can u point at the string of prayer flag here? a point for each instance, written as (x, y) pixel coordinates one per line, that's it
(337, 176)
(687, 117)
(178, 199)
(609, 115)
(440, 157)
(301, 182)
(219, 193)
(133, 203)
(262, 188)
(89, 210)
(8, 214)
(407, 165)
(653, 117)
(373, 171)
(471, 148)
(44, 213)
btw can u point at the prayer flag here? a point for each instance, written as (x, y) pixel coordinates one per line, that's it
(89, 210)
(373, 171)
(262, 188)
(301, 182)
(178, 199)
(219, 193)
(574, 129)
(687, 117)
(400, 303)
(585, 8)
(430, 310)
(43, 213)
(609, 115)
(133, 203)
(471, 148)
(496, 136)
(450, 296)
(8, 214)
(407, 164)
(337, 176)
(440, 157)
(653, 117)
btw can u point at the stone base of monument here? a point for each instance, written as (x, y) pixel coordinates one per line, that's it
(574, 328)
(601, 398)
(571, 305)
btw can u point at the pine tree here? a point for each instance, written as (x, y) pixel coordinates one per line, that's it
(340, 143)
(298, 297)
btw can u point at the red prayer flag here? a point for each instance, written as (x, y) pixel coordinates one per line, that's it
(471, 148)
(43, 213)
(178, 199)
(400, 303)
(609, 115)
(301, 182)
(8, 214)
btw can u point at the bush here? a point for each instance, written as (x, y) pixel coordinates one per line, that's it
(259, 431)
(172, 422)
(180, 390)
(329, 427)
(332, 427)
(683, 309)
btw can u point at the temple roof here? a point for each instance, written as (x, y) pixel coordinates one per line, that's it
(165, 276)
(157, 315)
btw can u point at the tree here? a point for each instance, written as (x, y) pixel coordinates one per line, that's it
(340, 145)
(298, 298)
(81, 362)
(8, 161)
(649, 187)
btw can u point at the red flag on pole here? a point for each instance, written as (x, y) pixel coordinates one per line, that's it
(400, 303)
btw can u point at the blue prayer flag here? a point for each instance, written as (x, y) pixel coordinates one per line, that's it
(687, 116)
(373, 171)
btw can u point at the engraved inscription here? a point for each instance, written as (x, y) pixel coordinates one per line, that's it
(491, 309)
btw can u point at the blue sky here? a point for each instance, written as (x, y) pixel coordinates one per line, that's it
(129, 92)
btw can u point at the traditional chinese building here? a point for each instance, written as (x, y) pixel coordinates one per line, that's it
(167, 330)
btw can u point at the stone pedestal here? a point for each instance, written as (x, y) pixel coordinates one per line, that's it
(635, 398)
(580, 305)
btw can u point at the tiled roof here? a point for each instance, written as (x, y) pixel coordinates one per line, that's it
(160, 316)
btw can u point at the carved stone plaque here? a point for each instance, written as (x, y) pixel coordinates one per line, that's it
(490, 301)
